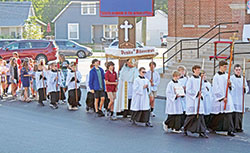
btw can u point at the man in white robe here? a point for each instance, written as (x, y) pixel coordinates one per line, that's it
(140, 105)
(237, 95)
(222, 120)
(122, 103)
(195, 121)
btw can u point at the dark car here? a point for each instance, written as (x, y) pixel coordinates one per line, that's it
(35, 49)
(4, 42)
(71, 48)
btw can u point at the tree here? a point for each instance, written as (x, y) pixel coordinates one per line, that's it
(31, 29)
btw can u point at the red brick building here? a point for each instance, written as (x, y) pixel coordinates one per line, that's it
(192, 18)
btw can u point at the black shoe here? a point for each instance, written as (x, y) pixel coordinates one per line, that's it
(239, 130)
(100, 113)
(185, 133)
(203, 135)
(148, 124)
(79, 104)
(41, 103)
(230, 134)
(1, 97)
(87, 109)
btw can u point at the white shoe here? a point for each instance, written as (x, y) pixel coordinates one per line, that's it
(165, 127)
(70, 107)
(74, 108)
(174, 131)
(152, 114)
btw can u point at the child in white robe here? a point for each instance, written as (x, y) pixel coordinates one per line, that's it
(140, 104)
(174, 108)
(207, 99)
(195, 121)
(74, 78)
(237, 95)
(41, 83)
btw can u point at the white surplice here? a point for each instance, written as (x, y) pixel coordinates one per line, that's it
(219, 92)
(140, 98)
(237, 92)
(192, 90)
(207, 98)
(183, 81)
(173, 104)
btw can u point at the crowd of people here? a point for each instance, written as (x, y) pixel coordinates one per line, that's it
(193, 104)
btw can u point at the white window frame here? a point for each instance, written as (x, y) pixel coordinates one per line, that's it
(110, 32)
(88, 4)
(73, 24)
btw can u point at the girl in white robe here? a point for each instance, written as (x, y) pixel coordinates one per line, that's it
(174, 108)
(237, 95)
(195, 121)
(222, 120)
(140, 105)
(72, 87)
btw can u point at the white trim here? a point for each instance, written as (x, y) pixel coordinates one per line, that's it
(41, 22)
(65, 8)
(77, 24)
(188, 26)
(203, 26)
(88, 5)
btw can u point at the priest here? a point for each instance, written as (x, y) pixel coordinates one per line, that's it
(128, 74)
(222, 120)
(140, 105)
(237, 95)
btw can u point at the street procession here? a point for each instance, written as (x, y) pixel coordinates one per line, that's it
(139, 76)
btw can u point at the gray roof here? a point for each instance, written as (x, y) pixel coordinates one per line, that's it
(14, 13)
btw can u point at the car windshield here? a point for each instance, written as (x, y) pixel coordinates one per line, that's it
(12, 46)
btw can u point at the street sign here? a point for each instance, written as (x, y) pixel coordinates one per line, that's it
(126, 8)
(126, 34)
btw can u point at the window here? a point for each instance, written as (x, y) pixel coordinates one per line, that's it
(24, 45)
(73, 31)
(70, 44)
(110, 31)
(88, 8)
(40, 44)
(12, 46)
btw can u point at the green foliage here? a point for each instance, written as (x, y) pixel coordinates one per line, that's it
(161, 5)
(31, 29)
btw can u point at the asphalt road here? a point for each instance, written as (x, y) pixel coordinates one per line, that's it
(29, 128)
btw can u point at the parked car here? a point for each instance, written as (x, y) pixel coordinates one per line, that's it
(35, 49)
(115, 44)
(164, 40)
(71, 48)
(4, 42)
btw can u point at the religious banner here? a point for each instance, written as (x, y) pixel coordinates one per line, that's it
(248, 6)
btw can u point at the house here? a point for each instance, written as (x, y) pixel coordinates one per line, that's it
(13, 17)
(80, 21)
(157, 26)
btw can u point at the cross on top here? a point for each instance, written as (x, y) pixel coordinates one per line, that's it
(233, 38)
(126, 26)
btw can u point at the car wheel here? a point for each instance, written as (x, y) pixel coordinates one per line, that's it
(81, 54)
(41, 57)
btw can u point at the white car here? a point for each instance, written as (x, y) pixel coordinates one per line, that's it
(115, 44)
(164, 40)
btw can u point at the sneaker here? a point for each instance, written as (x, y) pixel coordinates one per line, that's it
(87, 109)
(113, 118)
(231, 134)
(70, 107)
(165, 127)
(203, 135)
(54, 106)
(79, 104)
(152, 114)
(176, 131)
(148, 124)
(239, 130)
(41, 103)
(74, 108)
(100, 113)
(1, 97)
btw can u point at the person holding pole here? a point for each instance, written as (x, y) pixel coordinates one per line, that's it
(97, 86)
(154, 78)
(238, 92)
(73, 83)
(195, 122)
(222, 119)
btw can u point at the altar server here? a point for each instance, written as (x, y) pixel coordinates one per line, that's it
(54, 81)
(73, 83)
(41, 83)
(140, 105)
(207, 99)
(194, 121)
(183, 81)
(222, 120)
(174, 109)
(237, 95)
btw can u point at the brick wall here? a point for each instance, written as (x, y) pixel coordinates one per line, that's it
(192, 18)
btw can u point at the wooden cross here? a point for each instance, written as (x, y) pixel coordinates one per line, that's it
(233, 38)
